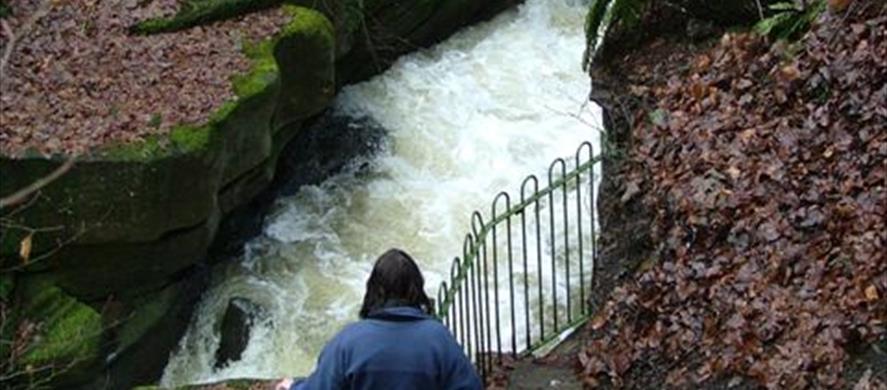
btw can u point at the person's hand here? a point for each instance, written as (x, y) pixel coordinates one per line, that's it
(284, 384)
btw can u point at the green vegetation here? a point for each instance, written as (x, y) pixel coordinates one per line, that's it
(7, 283)
(188, 139)
(308, 22)
(5, 10)
(197, 12)
(606, 12)
(145, 150)
(263, 72)
(789, 20)
(621, 19)
(69, 331)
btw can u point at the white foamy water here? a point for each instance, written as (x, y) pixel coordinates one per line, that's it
(466, 119)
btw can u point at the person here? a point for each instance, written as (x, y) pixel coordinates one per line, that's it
(397, 344)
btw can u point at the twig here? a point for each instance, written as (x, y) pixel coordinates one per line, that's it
(21, 207)
(23, 194)
(10, 43)
(12, 38)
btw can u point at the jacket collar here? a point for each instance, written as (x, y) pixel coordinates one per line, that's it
(399, 313)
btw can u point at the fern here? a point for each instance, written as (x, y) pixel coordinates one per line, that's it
(788, 20)
(604, 13)
(594, 22)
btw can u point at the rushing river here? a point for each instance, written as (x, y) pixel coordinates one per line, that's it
(465, 119)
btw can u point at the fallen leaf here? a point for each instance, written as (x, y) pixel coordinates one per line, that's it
(24, 250)
(598, 321)
(871, 293)
(734, 172)
(631, 189)
(698, 90)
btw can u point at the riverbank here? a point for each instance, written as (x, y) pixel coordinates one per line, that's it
(751, 184)
(103, 266)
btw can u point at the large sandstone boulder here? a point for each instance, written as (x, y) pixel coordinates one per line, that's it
(124, 255)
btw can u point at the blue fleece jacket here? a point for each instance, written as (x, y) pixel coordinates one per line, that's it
(396, 348)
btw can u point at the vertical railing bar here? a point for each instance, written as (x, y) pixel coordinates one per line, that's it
(526, 268)
(552, 244)
(454, 274)
(566, 244)
(593, 206)
(480, 317)
(496, 282)
(477, 225)
(468, 309)
(487, 311)
(539, 270)
(511, 277)
(586, 309)
(441, 302)
(579, 237)
(477, 229)
(468, 252)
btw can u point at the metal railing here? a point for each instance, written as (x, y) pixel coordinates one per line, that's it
(555, 247)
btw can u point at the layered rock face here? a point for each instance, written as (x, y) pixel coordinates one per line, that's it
(122, 238)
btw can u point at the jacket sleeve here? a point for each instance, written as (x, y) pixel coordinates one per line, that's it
(461, 374)
(330, 371)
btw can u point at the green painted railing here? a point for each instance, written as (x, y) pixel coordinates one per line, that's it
(529, 284)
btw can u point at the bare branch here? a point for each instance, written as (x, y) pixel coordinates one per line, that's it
(12, 38)
(23, 194)
(10, 44)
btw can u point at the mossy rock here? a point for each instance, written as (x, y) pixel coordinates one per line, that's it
(67, 341)
(306, 55)
(196, 12)
(134, 215)
(136, 218)
(390, 28)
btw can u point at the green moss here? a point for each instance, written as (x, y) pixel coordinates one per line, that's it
(197, 12)
(148, 149)
(186, 138)
(69, 331)
(189, 139)
(263, 72)
(308, 22)
(305, 52)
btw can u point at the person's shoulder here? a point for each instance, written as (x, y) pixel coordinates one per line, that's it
(434, 324)
(434, 328)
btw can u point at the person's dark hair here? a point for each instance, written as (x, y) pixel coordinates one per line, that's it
(395, 280)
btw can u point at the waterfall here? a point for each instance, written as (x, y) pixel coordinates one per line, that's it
(466, 119)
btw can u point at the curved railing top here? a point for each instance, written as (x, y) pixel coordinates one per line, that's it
(463, 300)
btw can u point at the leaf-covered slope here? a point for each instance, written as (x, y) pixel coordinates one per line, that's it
(765, 167)
(77, 79)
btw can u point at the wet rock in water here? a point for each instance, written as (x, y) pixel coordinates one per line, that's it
(237, 324)
(327, 147)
